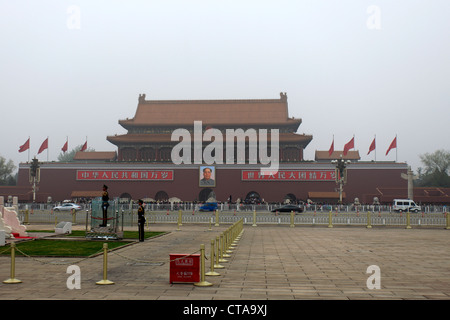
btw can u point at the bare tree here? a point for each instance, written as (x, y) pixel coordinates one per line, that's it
(436, 170)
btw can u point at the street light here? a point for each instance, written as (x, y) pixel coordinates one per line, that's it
(34, 176)
(341, 174)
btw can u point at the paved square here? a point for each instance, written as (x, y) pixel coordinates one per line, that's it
(269, 262)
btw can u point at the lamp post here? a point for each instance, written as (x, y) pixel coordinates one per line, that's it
(341, 175)
(34, 176)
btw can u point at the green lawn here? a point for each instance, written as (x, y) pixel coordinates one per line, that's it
(126, 234)
(63, 248)
(72, 248)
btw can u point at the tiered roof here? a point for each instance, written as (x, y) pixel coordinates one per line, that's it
(211, 112)
(152, 116)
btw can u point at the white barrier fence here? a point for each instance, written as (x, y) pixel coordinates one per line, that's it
(127, 218)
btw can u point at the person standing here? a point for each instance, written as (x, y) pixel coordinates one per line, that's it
(105, 205)
(141, 220)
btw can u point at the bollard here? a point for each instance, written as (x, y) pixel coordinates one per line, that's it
(369, 225)
(217, 219)
(217, 265)
(239, 229)
(13, 280)
(234, 240)
(225, 245)
(179, 221)
(408, 221)
(447, 216)
(26, 217)
(202, 282)
(330, 220)
(105, 266)
(180, 218)
(211, 257)
(254, 218)
(221, 256)
(229, 236)
(74, 217)
(292, 219)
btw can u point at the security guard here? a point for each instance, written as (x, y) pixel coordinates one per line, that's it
(141, 220)
(105, 205)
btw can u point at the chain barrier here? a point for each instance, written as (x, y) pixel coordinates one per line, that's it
(6, 249)
(159, 263)
(58, 263)
(156, 263)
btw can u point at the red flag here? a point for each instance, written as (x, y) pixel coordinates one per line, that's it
(372, 146)
(84, 147)
(25, 146)
(65, 146)
(330, 152)
(349, 145)
(392, 146)
(44, 146)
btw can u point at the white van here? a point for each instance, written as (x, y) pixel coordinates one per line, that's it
(405, 204)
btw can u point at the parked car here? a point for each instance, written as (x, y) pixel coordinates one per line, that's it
(209, 206)
(405, 205)
(288, 208)
(67, 207)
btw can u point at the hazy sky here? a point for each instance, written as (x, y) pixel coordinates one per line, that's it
(363, 68)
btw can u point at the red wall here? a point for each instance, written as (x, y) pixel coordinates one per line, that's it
(58, 180)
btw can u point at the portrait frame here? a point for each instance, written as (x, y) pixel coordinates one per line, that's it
(203, 180)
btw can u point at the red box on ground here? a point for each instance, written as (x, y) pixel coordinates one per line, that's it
(184, 268)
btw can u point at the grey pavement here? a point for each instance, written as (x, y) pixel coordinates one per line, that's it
(268, 263)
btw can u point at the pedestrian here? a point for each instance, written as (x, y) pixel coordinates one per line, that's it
(105, 205)
(141, 220)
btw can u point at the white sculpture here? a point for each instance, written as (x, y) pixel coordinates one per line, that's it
(9, 220)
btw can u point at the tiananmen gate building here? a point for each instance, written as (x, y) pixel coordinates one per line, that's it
(142, 164)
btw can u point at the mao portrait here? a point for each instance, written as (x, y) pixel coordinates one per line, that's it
(207, 176)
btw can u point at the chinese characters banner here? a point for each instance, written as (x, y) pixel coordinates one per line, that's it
(290, 175)
(129, 175)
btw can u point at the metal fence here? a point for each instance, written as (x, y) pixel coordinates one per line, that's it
(190, 206)
(127, 217)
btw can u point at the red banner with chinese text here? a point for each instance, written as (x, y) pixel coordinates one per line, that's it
(290, 175)
(129, 175)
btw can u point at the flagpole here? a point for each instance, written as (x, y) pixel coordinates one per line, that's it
(375, 138)
(354, 144)
(29, 148)
(47, 148)
(331, 150)
(396, 149)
